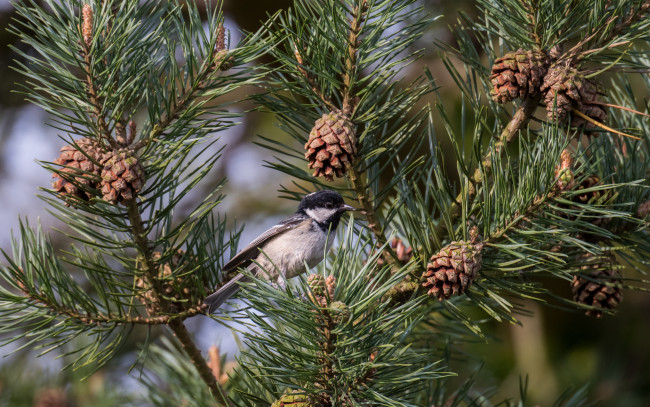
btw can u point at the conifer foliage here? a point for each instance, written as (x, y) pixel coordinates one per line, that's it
(549, 159)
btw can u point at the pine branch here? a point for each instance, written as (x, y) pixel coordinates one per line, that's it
(311, 81)
(517, 123)
(182, 102)
(359, 14)
(576, 52)
(176, 325)
(361, 189)
(95, 100)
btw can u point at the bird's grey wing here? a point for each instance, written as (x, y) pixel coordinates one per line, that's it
(214, 300)
(243, 259)
(250, 252)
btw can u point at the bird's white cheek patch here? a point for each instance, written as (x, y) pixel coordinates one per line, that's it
(320, 214)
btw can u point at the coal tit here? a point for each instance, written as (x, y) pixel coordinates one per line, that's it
(282, 251)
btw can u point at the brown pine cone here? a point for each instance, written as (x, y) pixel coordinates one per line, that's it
(564, 89)
(122, 177)
(175, 291)
(452, 270)
(81, 169)
(517, 74)
(331, 146)
(598, 284)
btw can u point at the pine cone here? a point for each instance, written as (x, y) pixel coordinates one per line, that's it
(122, 177)
(331, 146)
(517, 74)
(176, 291)
(81, 169)
(316, 284)
(294, 400)
(452, 270)
(565, 89)
(321, 288)
(598, 284)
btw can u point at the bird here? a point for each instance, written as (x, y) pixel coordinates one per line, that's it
(282, 251)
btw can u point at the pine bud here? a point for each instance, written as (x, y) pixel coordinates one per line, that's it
(87, 24)
(564, 171)
(132, 131)
(222, 61)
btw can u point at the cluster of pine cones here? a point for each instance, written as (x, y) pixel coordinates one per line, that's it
(524, 73)
(88, 171)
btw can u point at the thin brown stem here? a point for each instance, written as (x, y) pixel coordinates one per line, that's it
(517, 218)
(96, 102)
(530, 10)
(102, 319)
(187, 95)
(365, 199)
(362, 192)
(310, 79)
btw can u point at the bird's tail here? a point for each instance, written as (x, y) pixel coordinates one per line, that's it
(214, 300)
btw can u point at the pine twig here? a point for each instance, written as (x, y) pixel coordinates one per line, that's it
(188, 94)
(101, 319)
(310, 79)
(361, 190)
(632, 16)
(176, 325)
(519, 120)
(182, 334)
(93, 96)
(359, 15)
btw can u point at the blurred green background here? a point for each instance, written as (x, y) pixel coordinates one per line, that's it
(556, 348)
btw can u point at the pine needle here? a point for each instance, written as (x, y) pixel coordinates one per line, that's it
(602, 126)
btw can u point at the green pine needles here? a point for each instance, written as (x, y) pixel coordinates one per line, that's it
(469, 209)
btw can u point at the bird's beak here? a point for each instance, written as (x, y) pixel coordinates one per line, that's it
(347, 207)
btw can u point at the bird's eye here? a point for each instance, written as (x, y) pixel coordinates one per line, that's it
(329, 205)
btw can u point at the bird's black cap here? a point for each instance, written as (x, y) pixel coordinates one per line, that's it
(323, 199)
